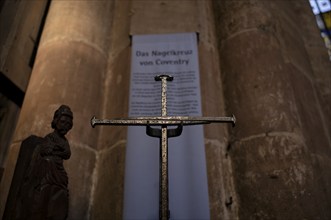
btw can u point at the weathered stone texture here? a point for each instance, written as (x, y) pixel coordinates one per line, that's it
(259, 82)
(280, 142)
(219, 167)
(81, 168)
(109, 171)
(274, 180)
(156, 17)
(108, 204)
(69, 69)
(75, 64)
(319, 60)
(220, 183)
(19, 27)
(87, 22)
(117, 96)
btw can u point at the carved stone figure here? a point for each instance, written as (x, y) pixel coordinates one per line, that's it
(44, 193)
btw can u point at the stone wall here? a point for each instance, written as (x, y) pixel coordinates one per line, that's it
(70, 69)
(281, 146)
(20, 22)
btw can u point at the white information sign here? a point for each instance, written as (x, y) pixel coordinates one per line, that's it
(175, 55)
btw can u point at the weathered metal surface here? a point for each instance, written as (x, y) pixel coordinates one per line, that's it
(163, 120)
(164, 212)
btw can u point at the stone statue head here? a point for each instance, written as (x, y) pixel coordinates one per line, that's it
(62, 120)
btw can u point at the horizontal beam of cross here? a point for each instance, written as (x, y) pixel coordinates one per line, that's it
(162, 120)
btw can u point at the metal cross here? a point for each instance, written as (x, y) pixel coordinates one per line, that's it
(163, 134)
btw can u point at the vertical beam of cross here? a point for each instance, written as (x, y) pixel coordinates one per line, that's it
(164, 212)
(163, 134)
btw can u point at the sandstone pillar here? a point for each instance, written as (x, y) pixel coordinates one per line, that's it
(319, 59)
(69, 69)
(281, 150)
(108, 189)
(219, 164)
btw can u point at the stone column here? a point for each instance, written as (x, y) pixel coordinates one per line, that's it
(319, 59)
(279, 142)
(70, 68)
(108, 189)
(219, 164)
